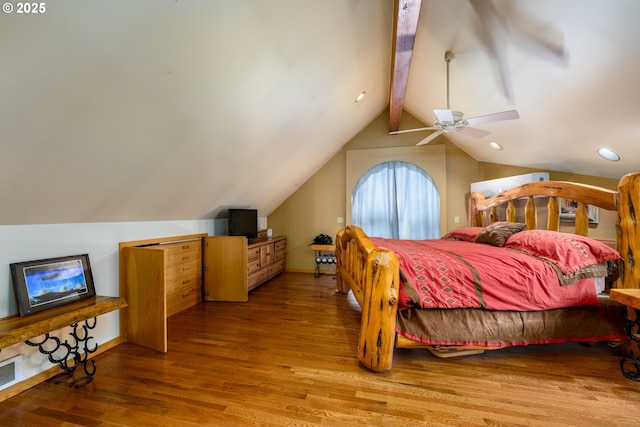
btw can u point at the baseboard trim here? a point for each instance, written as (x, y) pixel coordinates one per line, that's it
(298, 270)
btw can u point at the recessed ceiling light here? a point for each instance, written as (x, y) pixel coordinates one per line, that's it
(361, 96)
(496, 146)
(608, 154)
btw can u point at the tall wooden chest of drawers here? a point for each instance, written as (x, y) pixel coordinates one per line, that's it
(162, 280)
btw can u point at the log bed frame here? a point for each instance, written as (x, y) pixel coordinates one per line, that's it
(373, 274)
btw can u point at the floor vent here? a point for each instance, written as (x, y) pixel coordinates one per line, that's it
(10, 371)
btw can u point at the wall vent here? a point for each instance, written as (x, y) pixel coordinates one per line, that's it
(10, 371)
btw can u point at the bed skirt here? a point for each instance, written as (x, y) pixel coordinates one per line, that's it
(477, 327)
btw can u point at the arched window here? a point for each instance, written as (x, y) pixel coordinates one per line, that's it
(396, 200)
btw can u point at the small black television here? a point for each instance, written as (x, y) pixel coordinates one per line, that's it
(243, 222)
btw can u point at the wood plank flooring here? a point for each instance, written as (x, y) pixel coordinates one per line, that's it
(288, 358)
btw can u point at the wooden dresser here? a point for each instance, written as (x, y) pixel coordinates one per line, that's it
(233, 267)
(164, 276)
(161, 278)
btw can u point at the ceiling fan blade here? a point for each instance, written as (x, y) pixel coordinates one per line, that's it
(495, 117)
(444, 115)
(397, 132)
(476, 133)
(430, 137)
(491, 30)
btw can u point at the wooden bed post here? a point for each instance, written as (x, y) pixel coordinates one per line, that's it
(476, 217)
(373, 275)
(628, 230)
(341, 286)
(378, 321)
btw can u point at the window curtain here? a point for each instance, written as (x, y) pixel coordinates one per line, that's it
(396, 200)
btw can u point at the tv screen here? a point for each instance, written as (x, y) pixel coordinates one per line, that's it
(243, 222)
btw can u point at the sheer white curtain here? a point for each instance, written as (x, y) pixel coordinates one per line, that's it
(396, 200)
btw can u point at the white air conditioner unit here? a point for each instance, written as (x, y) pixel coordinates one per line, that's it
(492, 187)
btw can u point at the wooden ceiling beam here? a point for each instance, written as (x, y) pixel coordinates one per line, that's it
(406, 13)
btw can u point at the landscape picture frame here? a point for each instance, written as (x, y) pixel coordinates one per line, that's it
(51, 282)
(568, 209)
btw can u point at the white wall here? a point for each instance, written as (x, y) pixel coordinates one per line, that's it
(100, 241)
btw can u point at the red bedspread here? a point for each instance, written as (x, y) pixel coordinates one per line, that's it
(458, 274)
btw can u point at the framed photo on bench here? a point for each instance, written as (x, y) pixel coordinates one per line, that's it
(46, 283)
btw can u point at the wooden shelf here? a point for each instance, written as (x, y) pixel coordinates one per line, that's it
(628, 297)
(15, 329)
(324, 248)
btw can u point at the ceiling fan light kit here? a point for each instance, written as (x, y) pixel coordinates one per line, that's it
(448, 120)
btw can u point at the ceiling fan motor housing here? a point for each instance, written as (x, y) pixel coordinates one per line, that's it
(458, 122)
(449, 56)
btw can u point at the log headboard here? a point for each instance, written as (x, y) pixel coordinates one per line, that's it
(624, 201)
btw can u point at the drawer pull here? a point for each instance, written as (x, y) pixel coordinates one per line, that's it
(184, 282)
(184, 258)
(185, 247)
(186, 295)
(186, 268)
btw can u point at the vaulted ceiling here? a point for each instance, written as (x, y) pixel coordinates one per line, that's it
(177, 109)
(568, 68)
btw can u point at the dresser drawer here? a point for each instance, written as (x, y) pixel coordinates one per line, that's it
(275, 268)
(280, 255)
(183, 257)
(183, 280)
(256, 278)
(185, 269)
(253, 254)
(182, 298)
(280, 245)
(186, 246)
(253, 266)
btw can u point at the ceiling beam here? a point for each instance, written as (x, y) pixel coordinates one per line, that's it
(405, 23)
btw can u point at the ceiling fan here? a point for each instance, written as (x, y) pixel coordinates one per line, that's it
(453, 121)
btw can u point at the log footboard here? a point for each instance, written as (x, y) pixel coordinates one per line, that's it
(374, 276)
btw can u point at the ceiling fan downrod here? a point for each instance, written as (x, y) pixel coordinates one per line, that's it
(448, 57)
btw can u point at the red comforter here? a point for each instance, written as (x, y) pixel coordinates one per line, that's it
(459, 274)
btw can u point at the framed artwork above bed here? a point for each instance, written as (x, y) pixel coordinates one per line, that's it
(568, 209)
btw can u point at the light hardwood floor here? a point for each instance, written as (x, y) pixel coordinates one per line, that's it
(287, 358)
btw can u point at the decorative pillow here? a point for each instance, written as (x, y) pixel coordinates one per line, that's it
(497, 233)
(569, 252)
(468, 234)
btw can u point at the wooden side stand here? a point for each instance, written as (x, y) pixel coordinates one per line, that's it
(324, 254)
(17, 329)
(630, 298)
